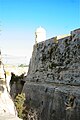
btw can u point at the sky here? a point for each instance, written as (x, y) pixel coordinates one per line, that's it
(19, 20)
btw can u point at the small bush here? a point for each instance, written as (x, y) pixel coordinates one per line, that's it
(19, 103)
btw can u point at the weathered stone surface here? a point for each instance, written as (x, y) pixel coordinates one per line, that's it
(53, 81)
(6, 103)
(8, 117)
(7, 108)
(50, 101)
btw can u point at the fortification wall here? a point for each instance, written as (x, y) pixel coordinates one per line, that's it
(52, 85)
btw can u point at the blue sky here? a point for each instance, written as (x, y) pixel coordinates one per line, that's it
(20, 18)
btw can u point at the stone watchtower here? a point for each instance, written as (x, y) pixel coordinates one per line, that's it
(40, 35)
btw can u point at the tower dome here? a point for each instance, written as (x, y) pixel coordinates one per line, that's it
(40, 30)
(40, 35)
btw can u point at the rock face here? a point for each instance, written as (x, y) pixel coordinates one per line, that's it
(16, 85)
(9, 117)
(7, 108)
(52, 85)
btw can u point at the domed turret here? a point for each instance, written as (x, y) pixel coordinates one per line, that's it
(40, 35)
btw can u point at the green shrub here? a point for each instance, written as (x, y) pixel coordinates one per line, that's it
(23, 65)
(19, 103)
